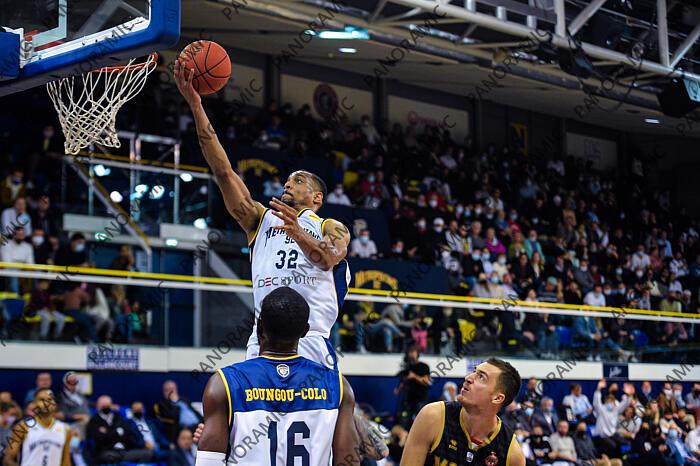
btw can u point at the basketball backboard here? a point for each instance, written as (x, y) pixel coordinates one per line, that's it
(69, 37)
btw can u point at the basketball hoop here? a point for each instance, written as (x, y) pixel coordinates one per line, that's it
(87, 105)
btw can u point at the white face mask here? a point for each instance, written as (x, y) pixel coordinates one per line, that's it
(338, 191)
(421, 224)
(668, 393)
(502, 260)
(433, 203)
(37, 240)
(445, 254)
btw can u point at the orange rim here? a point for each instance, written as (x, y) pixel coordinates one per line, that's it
(137, 66)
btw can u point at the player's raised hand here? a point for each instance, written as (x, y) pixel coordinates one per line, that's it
(183, 80)
(289, 215)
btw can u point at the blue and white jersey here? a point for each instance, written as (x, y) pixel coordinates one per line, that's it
(281, 409)
(277, 260)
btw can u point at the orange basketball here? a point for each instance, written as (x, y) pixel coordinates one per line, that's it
(211, 65)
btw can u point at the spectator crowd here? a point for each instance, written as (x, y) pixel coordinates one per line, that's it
(503, 223)
(103, 432)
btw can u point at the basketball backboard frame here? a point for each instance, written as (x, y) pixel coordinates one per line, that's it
(46, 58)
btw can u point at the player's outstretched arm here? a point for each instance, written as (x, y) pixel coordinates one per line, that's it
(237, 198)
(213, 444)
(346, 450)
(423, 434)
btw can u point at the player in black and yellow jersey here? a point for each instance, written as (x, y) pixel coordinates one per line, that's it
(468, 432)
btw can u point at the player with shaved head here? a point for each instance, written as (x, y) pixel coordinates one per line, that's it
(468, 431)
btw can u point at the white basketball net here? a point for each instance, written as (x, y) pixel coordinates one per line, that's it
(87, 105)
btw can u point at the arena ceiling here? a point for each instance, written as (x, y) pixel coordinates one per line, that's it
(457, 55)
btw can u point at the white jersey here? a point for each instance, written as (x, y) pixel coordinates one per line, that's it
(277, 260)
(281, 411)
(43, 446)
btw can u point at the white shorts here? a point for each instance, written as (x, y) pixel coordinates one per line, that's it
(314, 347)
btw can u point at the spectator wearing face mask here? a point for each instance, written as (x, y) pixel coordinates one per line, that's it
(668, 402)
(595, 297)
(583, 277)
(640, 259)
(43, 250)
(649, 446)
(436, 236)
(525, 415)
(532, 244)
(500, 266)
(111, 438)
(607, 413)
(338, 196)
(586, 451)
(546, 417)
(12, 187)
(363, 246)
(147, 434)
(540, 447)
(74, 252)
(678, 454)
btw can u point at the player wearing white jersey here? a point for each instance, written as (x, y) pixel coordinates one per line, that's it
(290, 244)
(280, 408)
(41, 440)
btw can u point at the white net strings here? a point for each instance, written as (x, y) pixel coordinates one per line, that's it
(87, 109)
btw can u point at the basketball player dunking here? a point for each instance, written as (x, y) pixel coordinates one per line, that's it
(42, 440)
(289, 244)
(468, 432)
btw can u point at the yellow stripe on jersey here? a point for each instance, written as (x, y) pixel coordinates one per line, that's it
(315, 217)
(340, 378)
(257, 230)
(302, 211)
(510, 448)
(228, 395)
(437, 440)
(281, 358)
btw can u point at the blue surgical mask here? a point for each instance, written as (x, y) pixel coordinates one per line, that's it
(74, 443)
(610, 406)
(476, 256)
(529, 411)
(520, 438)
(80, 247)
(364, 239)
(486, 257)
(493, 280)
(673, 433)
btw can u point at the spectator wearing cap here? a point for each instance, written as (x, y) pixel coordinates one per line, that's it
(548, 291)
(436, 236)
(17, 251)
(363, 246)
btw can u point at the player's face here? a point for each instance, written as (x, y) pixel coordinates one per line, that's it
(298, 191)
(45, 404)
(479, 387)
